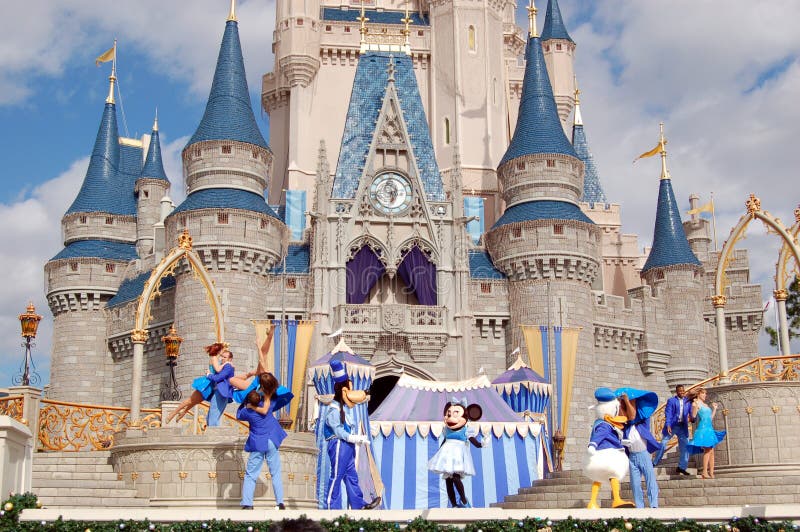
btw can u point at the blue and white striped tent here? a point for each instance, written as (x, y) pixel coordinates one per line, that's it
(406, 433)
(361, 374)
(524, 390)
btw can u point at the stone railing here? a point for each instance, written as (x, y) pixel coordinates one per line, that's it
(64, 426)
(392, 318)
(761, 369)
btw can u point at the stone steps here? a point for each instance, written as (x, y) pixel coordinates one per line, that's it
(80, 479)
(572, 490)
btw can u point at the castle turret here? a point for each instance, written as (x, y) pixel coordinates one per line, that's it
(239, 237)
(99, 237)
(592, 189)
(546, 246)
(559, 53)
(150, 188)
(675, 275)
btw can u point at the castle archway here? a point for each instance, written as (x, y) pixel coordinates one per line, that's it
(143, 315)
(789, 245)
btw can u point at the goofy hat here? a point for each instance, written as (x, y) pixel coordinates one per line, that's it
(337, 370)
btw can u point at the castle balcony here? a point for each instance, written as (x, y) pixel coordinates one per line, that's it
(419, 330)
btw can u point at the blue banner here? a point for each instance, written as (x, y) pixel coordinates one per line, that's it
(473, 206)
(291, 343)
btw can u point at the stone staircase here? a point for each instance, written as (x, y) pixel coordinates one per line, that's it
(570, 489)
(80, 479)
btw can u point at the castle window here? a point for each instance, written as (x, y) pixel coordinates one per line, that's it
(516, 232)
(553, 264)
(182, 221)
(558, 46)
(520, 165)
(73, 266)
(494, 91)
(222, 217)
(471, 38)
(546, 47)
(347, 29)
(255, 154)
(109, 220)
(146, 193)
(659, 276)
(447, 131)
(486, 288)
(263, 223)
(110, 267)
(299, 22)
(198, 152)
(226, 150)
(83, 219)
(558, 229)
(551, 163)
(327, 27)
(291, 283)
(420, 33)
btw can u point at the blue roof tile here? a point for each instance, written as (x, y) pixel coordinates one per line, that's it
(375, 17)
(553, 24)
(297, 260)
(97, 249)
(366, 101)
(225, 198)
(538, 127)
(153, 165)
(670, 246)
(229, 115)
(482, 267)
(106, 187)
(130, 289)
(542, 210)
(592, 190)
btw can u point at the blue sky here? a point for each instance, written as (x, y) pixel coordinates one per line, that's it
(725, 81)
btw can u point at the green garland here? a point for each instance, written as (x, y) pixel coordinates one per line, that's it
(11, 508)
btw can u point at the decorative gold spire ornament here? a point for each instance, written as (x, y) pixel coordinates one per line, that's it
(532, 19)
(406, 31)
(185, 240)
(578, 118)
(155, 121)
(662, 143)
(232, 13)
(113, 77)
(363, 29)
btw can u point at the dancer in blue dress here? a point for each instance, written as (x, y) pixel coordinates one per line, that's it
(705, 437)
(214, 387)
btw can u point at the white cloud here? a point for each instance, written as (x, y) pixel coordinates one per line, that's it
(55, 34)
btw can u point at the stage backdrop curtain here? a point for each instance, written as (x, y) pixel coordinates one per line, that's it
(305, 330)
(419, 274)
(566, 353)
(363, 271)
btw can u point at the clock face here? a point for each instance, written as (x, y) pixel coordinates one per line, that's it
(390, 193)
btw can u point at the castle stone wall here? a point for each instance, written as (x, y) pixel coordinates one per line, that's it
(229, 163)
(98, 226)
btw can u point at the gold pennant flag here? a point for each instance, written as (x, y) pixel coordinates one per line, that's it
(652, 152)
(265, 332)
(708, 207)
(106, 56)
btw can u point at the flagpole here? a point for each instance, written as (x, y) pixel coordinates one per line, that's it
(714, 221)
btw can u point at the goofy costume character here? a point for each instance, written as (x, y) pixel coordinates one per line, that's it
(340, 432)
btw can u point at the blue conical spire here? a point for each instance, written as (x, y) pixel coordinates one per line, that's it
(592, 190)
(153, 165)
(538, 126)
(670, 246)
(101, 189)
(553, 24)
(229, 115)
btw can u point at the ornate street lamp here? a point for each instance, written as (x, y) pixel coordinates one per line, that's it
(29, 323)
(172, 348)
(558, 445)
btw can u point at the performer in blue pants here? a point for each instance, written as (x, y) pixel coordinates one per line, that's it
(340, 432)
(676, 423)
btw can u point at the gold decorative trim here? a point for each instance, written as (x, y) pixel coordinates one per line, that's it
(781, 294)
(139, 336)
(719, 300)
(775, 409)
(753, 205)
(134, 476)
(182, 475)
(212, 475)
(185, 240)
(749, 410)
(156, 475)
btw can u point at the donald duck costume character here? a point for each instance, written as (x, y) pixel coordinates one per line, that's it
(606, 460)
(340, 432)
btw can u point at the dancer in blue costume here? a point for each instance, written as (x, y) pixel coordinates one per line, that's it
(214, 387)
(341, 434)
(705, 437)
(265, 437)
(453, 459)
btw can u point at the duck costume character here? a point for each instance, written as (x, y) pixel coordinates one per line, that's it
(606, 460)
(453, 459)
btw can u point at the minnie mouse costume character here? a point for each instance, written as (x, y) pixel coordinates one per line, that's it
(453, 459)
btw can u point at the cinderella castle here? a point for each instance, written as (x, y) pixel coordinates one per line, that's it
(428, 187)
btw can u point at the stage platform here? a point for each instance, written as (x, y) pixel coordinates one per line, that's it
(715, 514)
